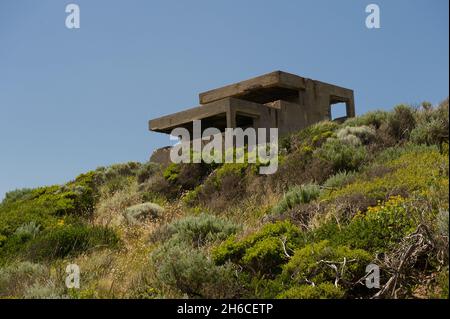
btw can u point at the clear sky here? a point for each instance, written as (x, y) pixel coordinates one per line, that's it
(73, 100)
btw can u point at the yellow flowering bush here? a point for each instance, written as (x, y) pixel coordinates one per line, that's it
(413, 171)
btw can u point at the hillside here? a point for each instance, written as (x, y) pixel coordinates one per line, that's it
(373, 189)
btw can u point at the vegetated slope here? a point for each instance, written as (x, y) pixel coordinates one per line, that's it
(373, 190)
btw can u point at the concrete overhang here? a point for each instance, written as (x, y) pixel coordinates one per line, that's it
(218, 111)
(261, 89)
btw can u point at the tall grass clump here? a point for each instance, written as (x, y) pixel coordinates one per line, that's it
(302, 194)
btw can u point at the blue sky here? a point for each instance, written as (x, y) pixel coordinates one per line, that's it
(73, 100)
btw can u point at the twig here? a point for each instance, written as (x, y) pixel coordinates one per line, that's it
(283, 243)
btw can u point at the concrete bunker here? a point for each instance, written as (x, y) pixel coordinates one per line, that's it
(275, 100)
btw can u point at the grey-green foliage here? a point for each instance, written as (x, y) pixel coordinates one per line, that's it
(321, 291)
(339, 179)
(297, 195)
(432, 125)
(141, 212)
(373, 118)
(402, 121)
(30, 230)
(392, 153)
(146, 171)
(182, 264)
(442, 221)
(118, 170)
(356, 135)
(47, 290)
(17, 194)
(189, 272)
(200, 230)
(15, 277)
(343, 156)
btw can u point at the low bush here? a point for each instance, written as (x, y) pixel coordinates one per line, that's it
(356, 135)
(262, 252)
(401, 122)
(16, 195)
(198, 230)
(339, 179)
(222, 188)
(111, 207)
(145, 171)
(374, 118)
(321, 291)
(16, 277)
(432, 125)
(30, 230)
(188, 271)
(44, 290)
(411, 170)
(313, 263)
(141, 212)
(341, 155)
(70, 240)
(376, 230)
(311, 137)
(297, 195)
(105, 174)
(442, 283)
(187, 176)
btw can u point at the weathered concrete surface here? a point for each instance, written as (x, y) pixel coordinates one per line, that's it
(258, 88)
(278, 99)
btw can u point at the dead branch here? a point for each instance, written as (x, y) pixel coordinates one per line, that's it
(333, 265)
(283, 243)
(403, 258)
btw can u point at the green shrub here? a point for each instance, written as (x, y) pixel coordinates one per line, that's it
(188, 271)
(442, 221)
(300, 167)
(321, 291)
(198, 230)
(339, 179)
(117, 171)
(70, 240)
(374, 118)
(183, 177)
(297, 195)
(356, 135)
(2, 240)
(30, 229)
(313, 261)
(401, 122)
(442, 281)
(141, 212)
(145, 171)
(15, 277)
(413, 170)
(263, 251)
(310, 137)
(223, 187)
(45, 290)
(341, 155)
(16, 195)
(171, 172)
(393, 153)
(432, 126)
(377, 230)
